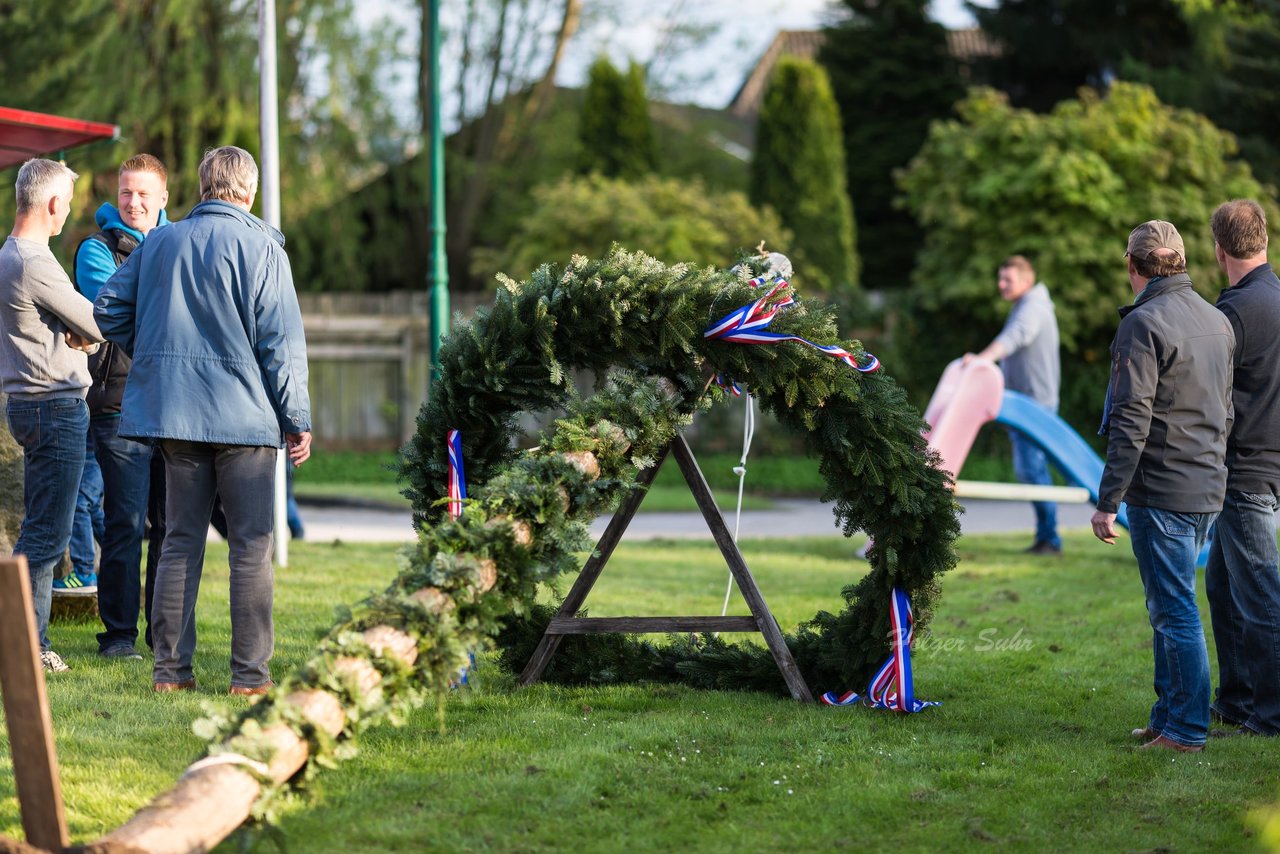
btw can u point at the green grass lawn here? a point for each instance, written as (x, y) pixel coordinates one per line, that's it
(1043, 667)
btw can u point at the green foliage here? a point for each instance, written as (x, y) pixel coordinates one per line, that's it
(375, 238)
(891, 75)
(178, 77)
(1231, 73)
(1064, 189)
(670, 217)
(799, 170)
(633, 316)
(1050, 49)
(614, 126)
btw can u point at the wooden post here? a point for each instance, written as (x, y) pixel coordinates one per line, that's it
(566, 621)
(26, 712)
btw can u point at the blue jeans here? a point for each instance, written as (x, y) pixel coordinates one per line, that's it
(1243, 583)
(1031, 466)
(126, 478)
(1166, 544)
(51, 433)
(244, 477)
(89, 525)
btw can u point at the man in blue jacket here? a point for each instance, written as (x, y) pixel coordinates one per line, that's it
(206, 309)
(128, 485)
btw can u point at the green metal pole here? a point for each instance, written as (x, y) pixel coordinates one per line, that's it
(438, 263)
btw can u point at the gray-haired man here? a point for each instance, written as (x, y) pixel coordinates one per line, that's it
(207, 310)
(1166, 418)
(44, 324)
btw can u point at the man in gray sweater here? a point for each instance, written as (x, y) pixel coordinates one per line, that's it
(45, 330)
(1027, 350)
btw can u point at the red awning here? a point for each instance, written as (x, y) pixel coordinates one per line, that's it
(24, 134)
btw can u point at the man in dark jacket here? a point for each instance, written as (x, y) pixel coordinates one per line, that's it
(128, 484)
(1243, 575)
(1166, 417)
(206, 308)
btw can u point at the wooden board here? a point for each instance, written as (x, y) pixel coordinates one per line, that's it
(26, 711)
(566, 621)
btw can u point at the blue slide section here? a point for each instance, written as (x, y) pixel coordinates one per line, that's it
(1064, 447)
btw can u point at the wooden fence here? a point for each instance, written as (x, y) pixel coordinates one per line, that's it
(369, 358)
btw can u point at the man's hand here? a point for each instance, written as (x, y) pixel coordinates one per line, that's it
(77, 342)
(299, 447)
(1104, 527)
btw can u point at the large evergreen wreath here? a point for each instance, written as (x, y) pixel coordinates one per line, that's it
(638, 324)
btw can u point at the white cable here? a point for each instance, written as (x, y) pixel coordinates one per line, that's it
(748, 433)
(260, 768)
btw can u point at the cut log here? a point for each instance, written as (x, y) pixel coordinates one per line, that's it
(212, 800)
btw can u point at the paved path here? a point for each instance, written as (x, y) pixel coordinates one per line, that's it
(790, 518)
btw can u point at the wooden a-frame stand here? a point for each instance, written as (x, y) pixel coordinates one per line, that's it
(566, 621)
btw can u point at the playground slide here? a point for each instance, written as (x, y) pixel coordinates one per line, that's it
(969, 396)
(1065, 448)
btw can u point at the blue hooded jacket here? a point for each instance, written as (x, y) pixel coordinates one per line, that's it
(206, 308)
(94, 262)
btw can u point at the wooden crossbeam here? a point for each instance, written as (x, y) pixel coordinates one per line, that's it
(566, 622)
(26, 712)
(1022, 492)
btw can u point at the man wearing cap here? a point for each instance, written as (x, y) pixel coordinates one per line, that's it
(1242, 579)
(1167, 415)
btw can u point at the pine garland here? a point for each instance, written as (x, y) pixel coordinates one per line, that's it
(466, 580)
(641, 322)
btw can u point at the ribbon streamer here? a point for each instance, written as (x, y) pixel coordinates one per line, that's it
(457, 480)
(893, 686)
(748, 325)
(726, 383)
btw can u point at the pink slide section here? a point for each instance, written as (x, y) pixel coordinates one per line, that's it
(967, 397)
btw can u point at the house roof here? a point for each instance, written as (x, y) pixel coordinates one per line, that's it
(964, 45)
(24, 134)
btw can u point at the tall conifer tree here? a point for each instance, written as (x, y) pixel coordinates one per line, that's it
(891, 75)
(615, 128)
(1050, 48)
(799, 169)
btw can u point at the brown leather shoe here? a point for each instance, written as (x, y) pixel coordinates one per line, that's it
(1162, 743)
(1144, 734)
(166, 687)
(257, 691)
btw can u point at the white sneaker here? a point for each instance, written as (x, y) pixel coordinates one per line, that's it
(52, 662)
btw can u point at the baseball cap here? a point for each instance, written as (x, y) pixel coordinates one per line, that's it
(1153, 235)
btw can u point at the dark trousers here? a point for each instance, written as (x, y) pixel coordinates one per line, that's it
(126, 481)
(1242, 581)
(245, 478)
(156, 520)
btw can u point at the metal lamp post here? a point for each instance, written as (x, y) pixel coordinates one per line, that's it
(438, 262)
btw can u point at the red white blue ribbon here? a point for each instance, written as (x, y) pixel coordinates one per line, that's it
(457, 480)
(728, 385)
(893, 686)
(748, 325)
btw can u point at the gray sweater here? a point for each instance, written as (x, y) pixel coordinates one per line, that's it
(1030, 342)
(38, 305)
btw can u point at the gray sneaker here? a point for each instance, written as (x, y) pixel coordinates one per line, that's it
(121, 650)
(52, 662)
